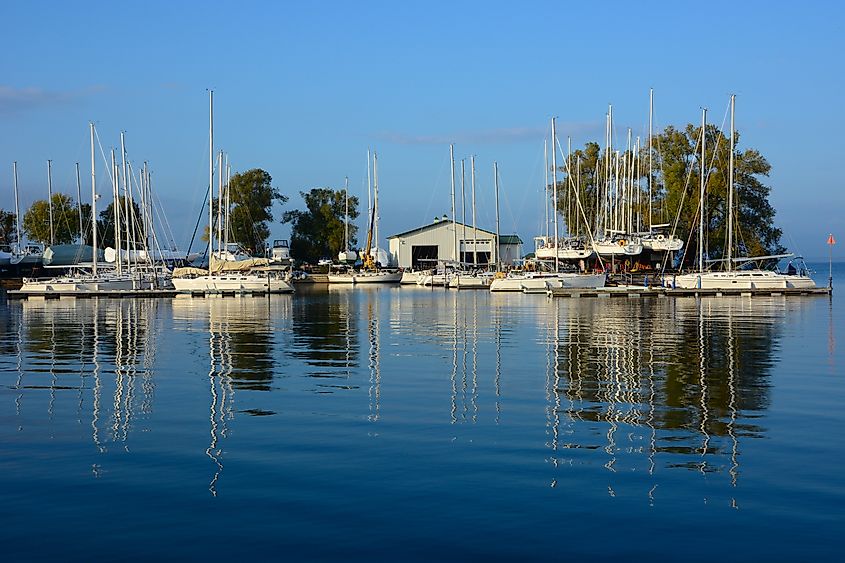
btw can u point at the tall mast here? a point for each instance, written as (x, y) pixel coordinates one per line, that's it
(474, 225)
(546, 185)
(731, 189)
(554, 193)
(369, 194)
(220, 249)
(227, 204)
(496, 184)
(346, 215)
(375, 201)
(79, 204)
(116, 208)
(650, 117)
(124, 220)
(93, 205)
(701, 194)
(210, 175)
(17, 208)
(454, 225)
(463, 208)
(50, 200)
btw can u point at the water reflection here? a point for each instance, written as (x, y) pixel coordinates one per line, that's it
(659, 383)
(62, 346)
(621, 386)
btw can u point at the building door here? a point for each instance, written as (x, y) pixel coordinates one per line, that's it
(423, 256)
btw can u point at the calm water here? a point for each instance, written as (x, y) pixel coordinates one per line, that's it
(397, 423)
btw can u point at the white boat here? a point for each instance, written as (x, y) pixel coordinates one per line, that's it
(227, 275)
(87, 283)
(545, 249)
(372, 256)
(381, 276)
(536, 281)
(745, 277)
(96, 280)
(741, 279)
(413, 277)
(657, 242)
(618, 247)
(468, 280)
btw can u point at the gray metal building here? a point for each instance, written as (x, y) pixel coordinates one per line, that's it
(424, 246)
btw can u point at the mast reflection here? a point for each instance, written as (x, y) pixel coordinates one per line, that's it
(657, 384)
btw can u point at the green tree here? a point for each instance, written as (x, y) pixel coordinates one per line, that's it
(251, 197)
(8, 235)
(319, 231)
(36, 220)
(676, 178)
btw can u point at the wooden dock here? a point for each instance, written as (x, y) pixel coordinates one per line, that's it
(638, 292)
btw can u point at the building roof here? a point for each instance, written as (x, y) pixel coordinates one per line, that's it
(509, 239)
(437, 224)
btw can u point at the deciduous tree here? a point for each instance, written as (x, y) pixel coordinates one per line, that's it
(319, 231)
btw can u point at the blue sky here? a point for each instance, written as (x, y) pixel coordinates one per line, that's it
(303, 89)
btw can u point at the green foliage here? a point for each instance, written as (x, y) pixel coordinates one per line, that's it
(675, 191)
(8, 235)
(36, 220)
(318, 231)
(251, 197)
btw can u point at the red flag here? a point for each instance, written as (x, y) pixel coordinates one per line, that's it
(830, 240)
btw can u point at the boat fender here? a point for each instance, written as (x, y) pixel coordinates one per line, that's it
(623, 242)
(660, 237)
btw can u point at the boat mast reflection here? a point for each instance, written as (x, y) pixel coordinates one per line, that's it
(658, 380)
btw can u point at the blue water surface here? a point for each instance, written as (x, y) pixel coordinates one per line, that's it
(414, 424)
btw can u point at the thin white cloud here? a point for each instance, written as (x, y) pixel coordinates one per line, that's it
(14, 100)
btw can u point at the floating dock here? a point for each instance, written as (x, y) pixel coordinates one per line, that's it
(636, 292)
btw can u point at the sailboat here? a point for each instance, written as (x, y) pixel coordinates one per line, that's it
(98, 279)
(746, 276)
(346, 255)
(528, 281)
(24, 254)
(655, 239)
(223, 275)
(371, 270)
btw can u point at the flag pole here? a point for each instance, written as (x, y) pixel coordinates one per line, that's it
(830, 242)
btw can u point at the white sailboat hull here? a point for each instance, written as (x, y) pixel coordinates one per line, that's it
(661, 243)
(409, 277)
(539, 282)
(749, 279)
(564, 253)
(366, 277)
(240, 283)
(618, 248)
(71, 285)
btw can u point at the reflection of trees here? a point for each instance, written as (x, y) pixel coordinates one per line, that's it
(675, 378)
(242, 328)
(325, 332)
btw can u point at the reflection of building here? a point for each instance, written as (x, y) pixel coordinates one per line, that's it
(423, 247)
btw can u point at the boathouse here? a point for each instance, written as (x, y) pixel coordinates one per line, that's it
(442, 240)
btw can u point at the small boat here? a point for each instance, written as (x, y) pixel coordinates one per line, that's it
(537, 281)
